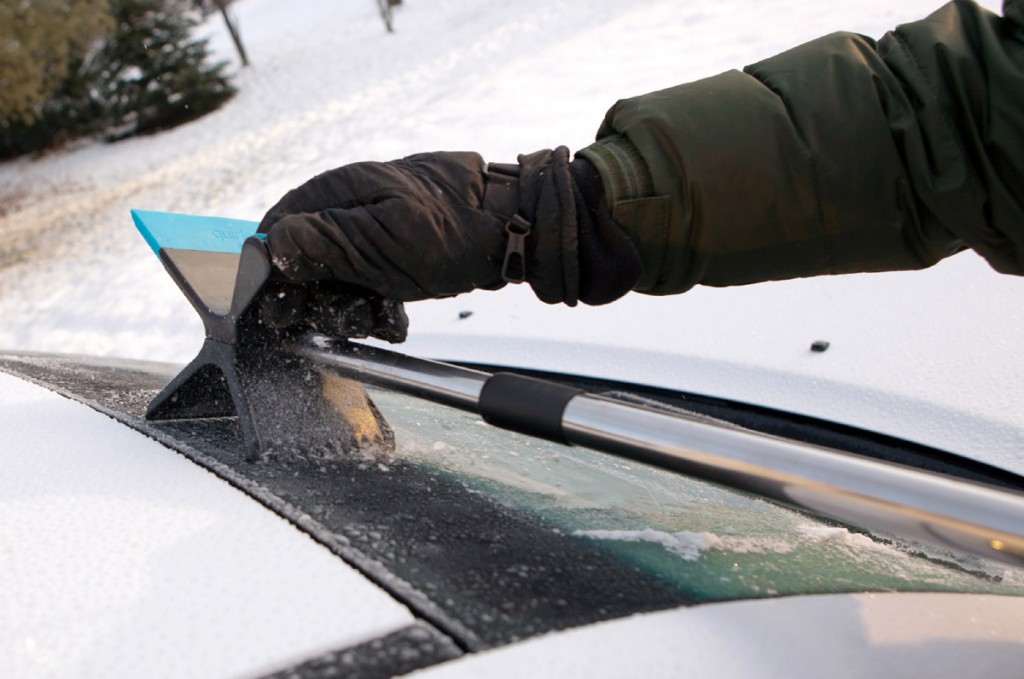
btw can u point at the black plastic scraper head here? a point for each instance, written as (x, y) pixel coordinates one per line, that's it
(284, 405)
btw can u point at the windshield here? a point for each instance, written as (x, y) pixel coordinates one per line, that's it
(711, 542)
(493, 536)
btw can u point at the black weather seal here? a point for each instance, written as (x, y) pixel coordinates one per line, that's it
(392, 655)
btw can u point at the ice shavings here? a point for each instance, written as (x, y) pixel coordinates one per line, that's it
(866, 551)
(861, 547)
(685, 544)
(689, 545)
(898, 557)
(837, 535)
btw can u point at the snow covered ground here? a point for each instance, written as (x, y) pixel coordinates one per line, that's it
(934, 356)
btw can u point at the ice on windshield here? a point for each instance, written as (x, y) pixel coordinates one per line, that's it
(713, 542)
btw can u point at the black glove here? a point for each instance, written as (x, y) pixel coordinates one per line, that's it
(332, 308)
(440, 224)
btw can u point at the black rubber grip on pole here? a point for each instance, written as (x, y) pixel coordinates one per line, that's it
(526, 404)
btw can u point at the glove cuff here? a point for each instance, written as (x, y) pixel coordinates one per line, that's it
(536, 204)
(610, 265)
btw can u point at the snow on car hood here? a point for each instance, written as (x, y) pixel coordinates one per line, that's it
(840, 636)
(932, 356)
(122, 559)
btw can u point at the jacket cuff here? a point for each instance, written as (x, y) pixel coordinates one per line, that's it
(629, 191)
(623, 171)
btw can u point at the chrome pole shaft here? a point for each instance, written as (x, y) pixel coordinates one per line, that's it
(439, 382)
(918, 505)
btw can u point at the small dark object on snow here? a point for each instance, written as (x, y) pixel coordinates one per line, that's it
(464, 315)
(819, 346)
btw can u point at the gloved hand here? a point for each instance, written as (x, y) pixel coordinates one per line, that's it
(332, 308)
(440, 224)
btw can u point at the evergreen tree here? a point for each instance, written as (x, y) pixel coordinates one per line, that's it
(153, 74)
(76, 67)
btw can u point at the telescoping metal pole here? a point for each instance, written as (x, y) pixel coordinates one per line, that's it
(913, 504)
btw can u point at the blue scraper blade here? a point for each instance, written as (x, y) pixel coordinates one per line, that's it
(201, 254)
(166, 230)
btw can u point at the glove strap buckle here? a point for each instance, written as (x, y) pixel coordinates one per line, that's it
(513, 269)
(501, 197)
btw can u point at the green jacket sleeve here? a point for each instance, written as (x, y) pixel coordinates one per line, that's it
(841, 155)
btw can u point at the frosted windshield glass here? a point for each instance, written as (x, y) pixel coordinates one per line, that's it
(711, 541)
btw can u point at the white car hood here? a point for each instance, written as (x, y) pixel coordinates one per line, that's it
(836, 636)
(119, 557)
